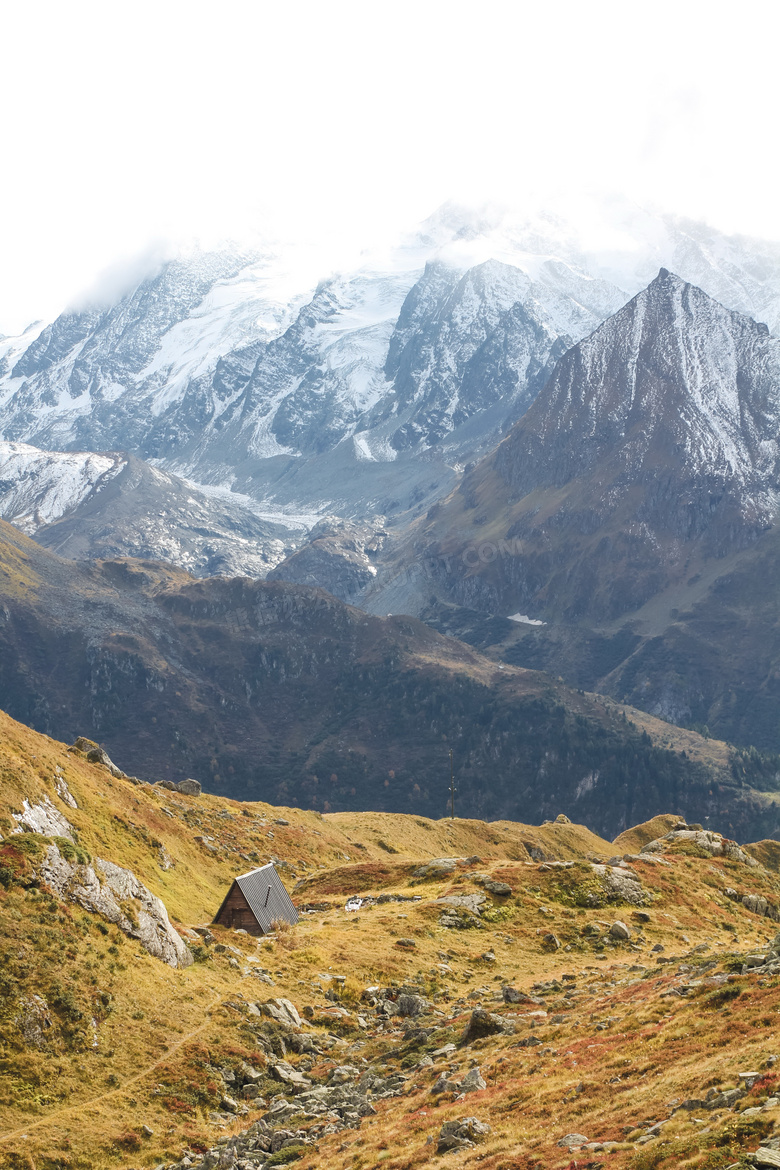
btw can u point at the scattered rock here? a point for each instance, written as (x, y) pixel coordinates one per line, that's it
(406, 944)
(473, 1082)
(438, 867)
(190, 787)
(562, 819)
(619, 930)
(34, 1021)
(281, 1010)
(461, 1134)
(551, 941)
(573, 1140)
(483, 1023)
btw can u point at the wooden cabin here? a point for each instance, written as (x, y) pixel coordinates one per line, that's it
(255, 901)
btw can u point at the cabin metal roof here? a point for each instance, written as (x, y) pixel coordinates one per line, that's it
(266, 896)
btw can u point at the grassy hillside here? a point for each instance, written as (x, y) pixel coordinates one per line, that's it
(118, 1041)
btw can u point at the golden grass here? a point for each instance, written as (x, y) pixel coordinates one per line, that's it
(158, 1028)
(632, 840)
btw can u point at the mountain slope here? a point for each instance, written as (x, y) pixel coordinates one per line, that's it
(632, 510)
(275, 690)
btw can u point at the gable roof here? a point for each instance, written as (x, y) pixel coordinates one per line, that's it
(266, 896)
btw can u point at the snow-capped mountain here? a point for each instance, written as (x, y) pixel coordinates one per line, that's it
(86, 506)
(366, 394)
(672, 390)
(653, 448)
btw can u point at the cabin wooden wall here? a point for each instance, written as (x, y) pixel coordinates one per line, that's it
(236, 913)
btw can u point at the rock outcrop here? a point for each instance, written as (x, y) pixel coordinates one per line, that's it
(117, 895)
(43, 818)
(714, 843)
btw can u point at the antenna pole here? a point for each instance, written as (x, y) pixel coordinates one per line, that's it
(452, 787)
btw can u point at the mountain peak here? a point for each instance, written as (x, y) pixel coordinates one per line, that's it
(672, 388)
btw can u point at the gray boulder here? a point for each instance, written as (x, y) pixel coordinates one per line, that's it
(444, 1085)
(484, 1023)
(764, 1156)
(189, 787)
(290, 1076)
(461, 1134)
(473, 1082)
(619, 930)
(34, 1021)
(573, 1140)
(471, 902)
(97, 755)
(438, 867)
(623, 883)
(513, 995)
(282, 1010)
(714, 843)
(410, 1005)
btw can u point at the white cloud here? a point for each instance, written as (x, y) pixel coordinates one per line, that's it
(339, 122)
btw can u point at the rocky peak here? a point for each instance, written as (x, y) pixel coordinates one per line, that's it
(673, 390)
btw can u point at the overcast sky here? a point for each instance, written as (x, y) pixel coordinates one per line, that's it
(126, 124)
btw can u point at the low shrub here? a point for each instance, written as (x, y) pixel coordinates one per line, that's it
(287, 1155)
